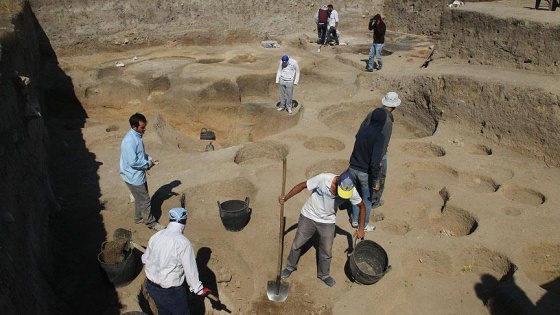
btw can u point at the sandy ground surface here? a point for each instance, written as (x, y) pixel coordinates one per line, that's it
(497, 220)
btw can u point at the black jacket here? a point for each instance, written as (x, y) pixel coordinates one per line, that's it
(368, 147)
(378, 26)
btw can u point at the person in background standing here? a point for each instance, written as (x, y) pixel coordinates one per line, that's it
(322, 20)
(287, 76)
(134, 163)
(333, 23)
(378, 26)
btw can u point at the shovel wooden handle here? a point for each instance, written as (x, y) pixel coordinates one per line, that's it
(281, 233)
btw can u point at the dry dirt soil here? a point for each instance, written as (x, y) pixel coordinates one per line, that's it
(465, 223)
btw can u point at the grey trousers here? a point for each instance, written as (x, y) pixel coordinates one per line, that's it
(306, 229)
(286, 94)
(142, 204)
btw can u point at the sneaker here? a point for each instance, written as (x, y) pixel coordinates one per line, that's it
(289, 111)
(157, 227)
(329, 281)
(354, 224)
(370, 228)
(280, 109)
(140, 221)
(377, 205)
(369, 70)
(286, 273)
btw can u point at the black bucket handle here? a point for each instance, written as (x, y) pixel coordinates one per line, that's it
(246, 202)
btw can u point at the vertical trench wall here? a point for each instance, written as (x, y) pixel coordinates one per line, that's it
(26, 198)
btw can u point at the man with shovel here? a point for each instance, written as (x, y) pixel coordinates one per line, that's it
(169, 260)
(318, 214)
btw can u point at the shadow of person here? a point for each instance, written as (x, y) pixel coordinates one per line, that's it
(503, 297)
(163, 193)
(340, 231)
(208, 278)
(549, 303)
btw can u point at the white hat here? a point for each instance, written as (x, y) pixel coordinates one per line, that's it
(391, 99)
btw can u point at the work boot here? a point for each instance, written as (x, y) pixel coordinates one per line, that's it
(329, 281)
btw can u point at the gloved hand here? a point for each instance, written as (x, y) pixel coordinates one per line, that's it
(204, 292)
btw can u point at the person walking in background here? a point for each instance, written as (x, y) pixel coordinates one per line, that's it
(378, 26)
(287, 76)
(318, 214)
(333, 23)
(390, 101)
(365, 162)
(134, 163)
(169, 261)
(322, 20)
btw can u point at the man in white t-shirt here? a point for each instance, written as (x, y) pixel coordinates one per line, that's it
(318, 214)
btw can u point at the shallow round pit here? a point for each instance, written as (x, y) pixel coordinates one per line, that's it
(511, 211)
(261, 150)
(454, 221)
(478, 149)
(396, 227)
(483, 261)
(423, 150)
(477, 183)
(324, 144)
(523, 195)
(112, 128)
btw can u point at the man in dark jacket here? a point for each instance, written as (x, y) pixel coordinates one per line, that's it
(378, 26)
(365, 162)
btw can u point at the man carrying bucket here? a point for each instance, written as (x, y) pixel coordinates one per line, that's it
(170, 260)
(318, 214)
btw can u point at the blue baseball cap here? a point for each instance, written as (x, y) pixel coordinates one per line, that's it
(345, 185)
(177, 214)
(285, 58)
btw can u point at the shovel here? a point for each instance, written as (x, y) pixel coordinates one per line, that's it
(277, 290)
(121, 233)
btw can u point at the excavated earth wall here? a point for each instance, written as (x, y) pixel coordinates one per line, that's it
(513, 42)
(26, 198)
(499, 111)
(98, 25)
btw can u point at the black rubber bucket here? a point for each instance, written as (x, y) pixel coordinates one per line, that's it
(122, 273)
(368, 263)
(235, 214)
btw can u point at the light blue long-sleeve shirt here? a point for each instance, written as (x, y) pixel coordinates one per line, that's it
(134, 160)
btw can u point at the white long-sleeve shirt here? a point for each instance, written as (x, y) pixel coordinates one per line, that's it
(169, 259)
(333, 18)
(290, 73)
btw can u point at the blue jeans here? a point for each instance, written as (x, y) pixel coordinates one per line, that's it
(375, 52)
(364, 189)
(376, 196)
(172, 301)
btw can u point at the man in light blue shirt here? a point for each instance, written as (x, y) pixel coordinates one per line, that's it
(133, 166)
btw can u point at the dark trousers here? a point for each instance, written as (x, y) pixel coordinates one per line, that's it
(322, 32)
(334, 35)
(172, 301)
(553, 4)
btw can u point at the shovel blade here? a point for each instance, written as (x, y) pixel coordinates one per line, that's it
(277, 291)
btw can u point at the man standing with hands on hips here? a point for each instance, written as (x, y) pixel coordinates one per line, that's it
(287, 76)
